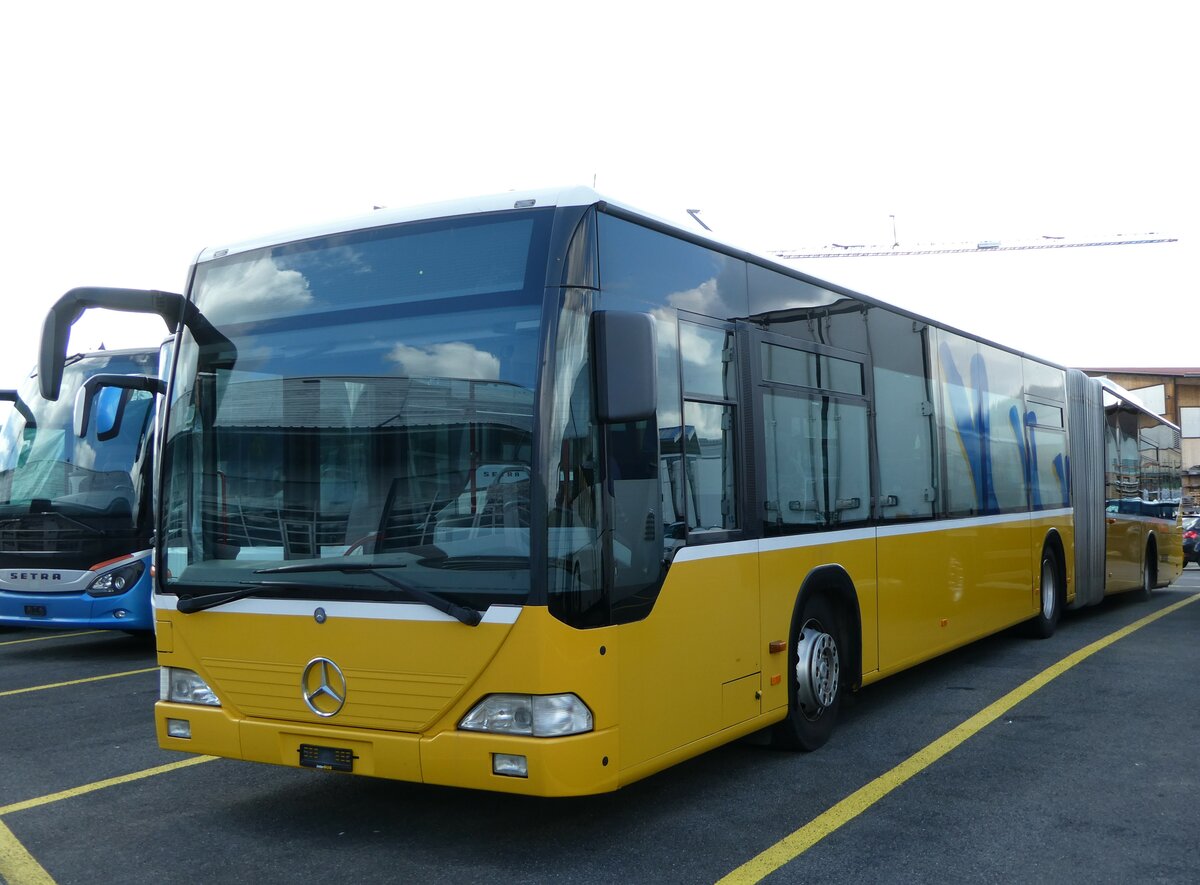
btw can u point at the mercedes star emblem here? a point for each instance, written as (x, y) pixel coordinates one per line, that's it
(323, 687)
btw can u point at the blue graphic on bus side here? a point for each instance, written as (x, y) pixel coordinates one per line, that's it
(970, 419)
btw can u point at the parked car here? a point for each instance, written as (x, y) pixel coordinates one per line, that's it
(1191, 532)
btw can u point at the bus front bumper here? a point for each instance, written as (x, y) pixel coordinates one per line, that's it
(570, 766)
(74, 611)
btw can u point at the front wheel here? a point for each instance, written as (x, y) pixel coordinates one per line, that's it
(815, 680)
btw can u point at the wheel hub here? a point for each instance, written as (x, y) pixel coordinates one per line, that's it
(817, 668)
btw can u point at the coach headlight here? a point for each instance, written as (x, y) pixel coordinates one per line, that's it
(184, 687)
(118, 580)
(552, 715)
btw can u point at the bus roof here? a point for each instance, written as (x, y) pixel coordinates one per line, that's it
(570, 196)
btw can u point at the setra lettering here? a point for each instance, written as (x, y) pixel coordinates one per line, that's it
(35, 576)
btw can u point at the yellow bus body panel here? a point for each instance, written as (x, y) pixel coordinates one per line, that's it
(690, 669)
(943, 585)
(1127, 538)
(707, 665)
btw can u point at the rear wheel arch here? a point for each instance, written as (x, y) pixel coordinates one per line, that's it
(835, 583)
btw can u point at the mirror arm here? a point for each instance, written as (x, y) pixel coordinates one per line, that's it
(125, 382)
(172, 307)
(12, 396)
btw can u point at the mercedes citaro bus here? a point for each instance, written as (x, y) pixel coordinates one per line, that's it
(541, 494)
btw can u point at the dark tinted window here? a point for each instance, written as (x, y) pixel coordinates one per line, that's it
(641, 269)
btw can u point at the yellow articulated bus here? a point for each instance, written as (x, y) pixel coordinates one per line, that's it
(539, 494)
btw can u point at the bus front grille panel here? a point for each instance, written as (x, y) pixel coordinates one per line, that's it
(392, 701)
(41, 534)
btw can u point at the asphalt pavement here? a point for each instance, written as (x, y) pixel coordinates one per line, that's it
(1091, 775)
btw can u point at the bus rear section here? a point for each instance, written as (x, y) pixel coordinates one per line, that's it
(75, 512)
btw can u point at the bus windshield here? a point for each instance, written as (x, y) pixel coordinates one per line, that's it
(92, 481)
(372, 404)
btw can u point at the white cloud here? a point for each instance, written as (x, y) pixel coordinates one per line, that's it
(453, 359)
(244, 289)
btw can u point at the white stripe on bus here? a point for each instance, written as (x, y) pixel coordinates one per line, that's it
(368, 611)
(822, 538)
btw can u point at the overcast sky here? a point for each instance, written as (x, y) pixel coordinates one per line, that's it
(136, 134)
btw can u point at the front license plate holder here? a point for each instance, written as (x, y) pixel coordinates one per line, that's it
(35, 611)
(326, 758)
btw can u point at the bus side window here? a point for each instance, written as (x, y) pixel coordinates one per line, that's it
(706, 469)
(817, 471)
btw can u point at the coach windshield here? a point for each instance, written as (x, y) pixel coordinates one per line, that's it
(373, 405)
(68, 496)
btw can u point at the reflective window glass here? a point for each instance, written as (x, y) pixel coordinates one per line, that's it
(1045, 416)
(707, 466)
(707, 355)
(787, 365)
(907, 463)
(817, 467)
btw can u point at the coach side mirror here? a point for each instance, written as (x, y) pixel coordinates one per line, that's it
(626, 366)
(102, 399)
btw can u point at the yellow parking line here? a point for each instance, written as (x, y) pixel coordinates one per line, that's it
(100, 785)
(53, 636)
(75, 681)
(792, 846)
(17, 866)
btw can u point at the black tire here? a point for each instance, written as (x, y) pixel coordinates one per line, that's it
(1149, 572)
(819, 637)
(1043, 624)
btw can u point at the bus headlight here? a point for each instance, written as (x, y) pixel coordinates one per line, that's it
(552, 715)
(118, 580)
(184, 687)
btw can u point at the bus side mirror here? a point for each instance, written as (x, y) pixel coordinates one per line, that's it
(626, 366)
(102, 406)
(12, 396)
(102, 399)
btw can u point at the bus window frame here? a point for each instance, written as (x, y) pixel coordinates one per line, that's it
(762, 385)
(743, 445)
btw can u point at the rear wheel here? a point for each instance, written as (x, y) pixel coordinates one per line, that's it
(818, 649)
(1043, 624)
(1149, 575)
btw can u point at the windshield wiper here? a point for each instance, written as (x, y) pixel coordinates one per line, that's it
(190, 604)
(468, 616)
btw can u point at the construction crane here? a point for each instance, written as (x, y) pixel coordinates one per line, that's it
(840, 250)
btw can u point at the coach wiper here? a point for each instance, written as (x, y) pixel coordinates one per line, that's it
(190, 604)
(468, 616)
